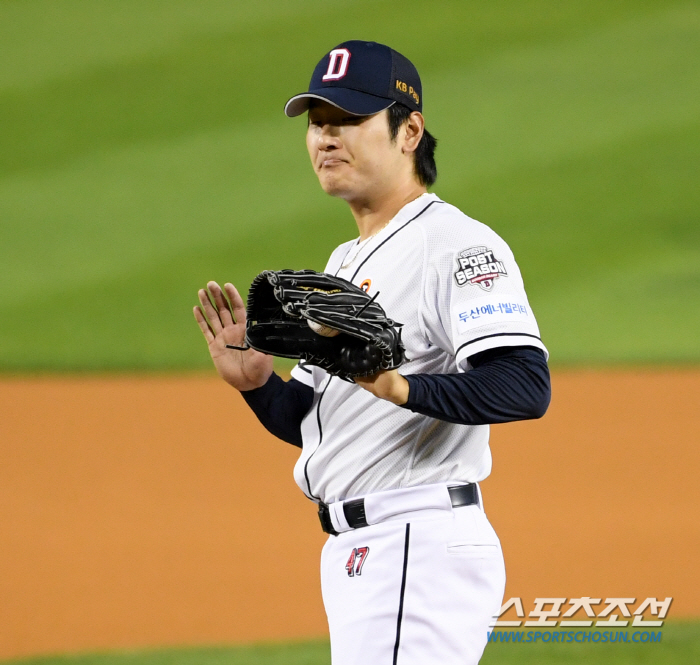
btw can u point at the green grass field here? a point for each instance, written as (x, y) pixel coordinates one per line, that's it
(680, 645)
(144, 151)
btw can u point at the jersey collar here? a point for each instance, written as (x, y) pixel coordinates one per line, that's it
(410, 210)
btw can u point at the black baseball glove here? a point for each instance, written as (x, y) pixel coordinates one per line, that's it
(322, 320)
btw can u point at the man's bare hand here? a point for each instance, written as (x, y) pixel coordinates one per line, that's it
(225, 324)
(387, 384)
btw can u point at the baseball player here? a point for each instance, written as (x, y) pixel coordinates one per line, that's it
(412, 571)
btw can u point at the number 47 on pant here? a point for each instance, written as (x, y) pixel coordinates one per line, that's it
(356, 561)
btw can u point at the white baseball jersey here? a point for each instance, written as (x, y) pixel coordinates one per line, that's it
(455, 285)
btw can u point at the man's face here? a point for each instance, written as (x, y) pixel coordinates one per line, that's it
(353, 156)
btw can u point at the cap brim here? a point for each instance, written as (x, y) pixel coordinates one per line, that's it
(351, 101)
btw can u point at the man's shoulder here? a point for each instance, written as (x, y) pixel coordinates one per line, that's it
(338, 254)
(343, 247)
(446, 226)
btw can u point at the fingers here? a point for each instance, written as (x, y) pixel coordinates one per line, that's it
(216, 316)
(203, 325)
(236, 302)
(220, 303)
(210, 311)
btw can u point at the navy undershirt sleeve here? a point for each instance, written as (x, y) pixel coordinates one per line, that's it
(281, 406)
(504, 385)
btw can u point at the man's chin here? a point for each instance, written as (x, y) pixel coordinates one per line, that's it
(334, 188)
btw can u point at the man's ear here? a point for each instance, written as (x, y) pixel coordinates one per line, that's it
(412, 132)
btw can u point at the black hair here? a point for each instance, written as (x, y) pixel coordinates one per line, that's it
(424, 156)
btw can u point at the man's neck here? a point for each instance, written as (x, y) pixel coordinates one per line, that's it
(372, 215)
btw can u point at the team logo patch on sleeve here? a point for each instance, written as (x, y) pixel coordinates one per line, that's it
(478, 265)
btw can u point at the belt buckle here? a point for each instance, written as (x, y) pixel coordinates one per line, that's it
(324, 515)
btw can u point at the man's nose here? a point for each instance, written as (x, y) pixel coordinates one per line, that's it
(329, 137)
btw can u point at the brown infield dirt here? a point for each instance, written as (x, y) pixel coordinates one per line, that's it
(157, 511)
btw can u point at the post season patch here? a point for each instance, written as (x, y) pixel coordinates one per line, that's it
(478, 266)
(492, 309)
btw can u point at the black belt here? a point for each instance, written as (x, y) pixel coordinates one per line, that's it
(354, 511)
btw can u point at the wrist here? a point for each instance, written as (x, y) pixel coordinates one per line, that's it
(258, 384)
(400, 391)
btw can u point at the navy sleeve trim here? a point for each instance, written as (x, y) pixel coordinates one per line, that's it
(281, 406)
(504, 334)
(506, 384)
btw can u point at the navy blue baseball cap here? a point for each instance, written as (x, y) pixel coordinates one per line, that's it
(362, 78)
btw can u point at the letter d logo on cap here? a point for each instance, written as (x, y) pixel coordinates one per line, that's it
(336, 70)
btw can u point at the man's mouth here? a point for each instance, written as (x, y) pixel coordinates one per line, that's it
(332, 161)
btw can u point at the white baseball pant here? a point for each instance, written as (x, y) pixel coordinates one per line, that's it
(419, 587)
